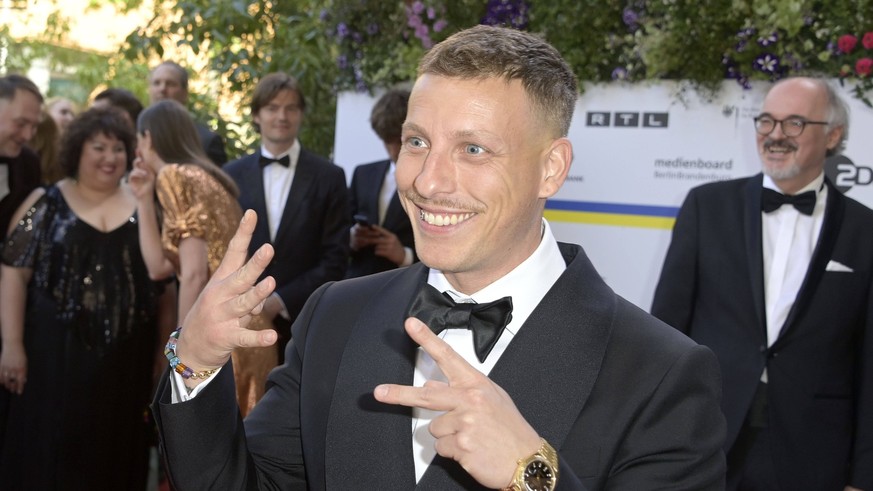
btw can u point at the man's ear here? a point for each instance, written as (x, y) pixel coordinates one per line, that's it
(557, 162)
(834, 137)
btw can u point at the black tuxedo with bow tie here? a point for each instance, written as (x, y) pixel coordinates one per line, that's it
(312, 241)
(820, 368)
(628, 402)
(365, 191)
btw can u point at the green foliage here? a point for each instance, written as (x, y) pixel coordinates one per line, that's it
(242, 41)
(334, 45)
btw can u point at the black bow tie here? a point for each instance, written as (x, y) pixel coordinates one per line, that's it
(771, 200)
(486, 320)
(265, 161)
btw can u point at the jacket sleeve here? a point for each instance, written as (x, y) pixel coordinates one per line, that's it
(677, 287)
(205, 445)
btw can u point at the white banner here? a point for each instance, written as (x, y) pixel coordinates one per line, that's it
(638, 150)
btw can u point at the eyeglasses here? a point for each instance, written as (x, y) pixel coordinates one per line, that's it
(791, 127)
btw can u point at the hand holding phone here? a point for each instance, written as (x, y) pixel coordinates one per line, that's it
(362, 220)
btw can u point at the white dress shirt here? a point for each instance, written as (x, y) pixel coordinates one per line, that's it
(527, 284)
(789, 239)
(389, 187)
(277, 185)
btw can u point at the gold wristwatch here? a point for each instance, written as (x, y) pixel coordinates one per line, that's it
(539, 472)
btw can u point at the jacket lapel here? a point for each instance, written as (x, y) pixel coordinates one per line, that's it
(369, 444)
(395, 216)
(304, 174)
(252, 187)
(824, 249)
(570, 328)
(754, 249)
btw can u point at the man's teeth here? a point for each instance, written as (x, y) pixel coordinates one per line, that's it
(443, 220)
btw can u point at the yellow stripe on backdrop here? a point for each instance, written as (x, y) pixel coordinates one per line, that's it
(613, 219)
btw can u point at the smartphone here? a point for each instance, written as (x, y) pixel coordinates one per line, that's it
(362, 220)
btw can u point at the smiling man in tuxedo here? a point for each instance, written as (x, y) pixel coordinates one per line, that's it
(301, 200)
(775, 274)
(559, 382)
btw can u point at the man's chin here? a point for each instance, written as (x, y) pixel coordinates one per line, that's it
(788, 171)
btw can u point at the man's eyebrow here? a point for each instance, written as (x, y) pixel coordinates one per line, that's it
(412, 127)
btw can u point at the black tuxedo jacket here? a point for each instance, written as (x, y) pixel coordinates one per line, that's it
(366, 189)
(24, 177)
(628, 402)
(212, 143)
(312, 241)
(820, 369)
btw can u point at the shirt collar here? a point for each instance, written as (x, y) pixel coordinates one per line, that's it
(527, 284)
(293, 153)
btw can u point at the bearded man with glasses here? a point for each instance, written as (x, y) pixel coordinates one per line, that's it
(774, 273)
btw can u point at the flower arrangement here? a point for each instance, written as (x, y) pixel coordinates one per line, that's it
(703, 42)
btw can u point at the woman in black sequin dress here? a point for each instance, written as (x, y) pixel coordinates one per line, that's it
(77, 318)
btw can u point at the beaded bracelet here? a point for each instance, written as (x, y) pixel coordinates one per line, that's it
(177, 365)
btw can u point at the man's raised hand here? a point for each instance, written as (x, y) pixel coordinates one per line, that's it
(217, 322)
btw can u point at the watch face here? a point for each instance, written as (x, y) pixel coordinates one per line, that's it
(538, 476)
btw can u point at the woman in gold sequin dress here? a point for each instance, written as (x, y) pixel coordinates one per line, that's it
(200, 214)
(77, 312)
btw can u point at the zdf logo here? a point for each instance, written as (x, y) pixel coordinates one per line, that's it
(845, 174)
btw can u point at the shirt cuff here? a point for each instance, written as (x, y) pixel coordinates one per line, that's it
(180, 391)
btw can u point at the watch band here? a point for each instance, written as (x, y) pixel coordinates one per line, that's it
(538, 472)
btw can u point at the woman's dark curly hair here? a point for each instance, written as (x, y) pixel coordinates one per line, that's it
(106, 121)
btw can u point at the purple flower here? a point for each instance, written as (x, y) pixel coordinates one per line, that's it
(431, 13)
(768, 40)
(630, 17)
(767, 63)
(741, 46)
(417, 7)
(373, 28)
(342, 62)
(342, 30)
(440, 25)
(619, 73)
(506, 12)
(744, 82)
(323, 15)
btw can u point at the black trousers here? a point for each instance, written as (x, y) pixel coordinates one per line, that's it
(750, 465)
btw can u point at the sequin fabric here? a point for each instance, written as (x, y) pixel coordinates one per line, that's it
(96, 279)
(195, 204)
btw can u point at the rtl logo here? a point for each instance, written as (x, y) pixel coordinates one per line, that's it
(627, 119)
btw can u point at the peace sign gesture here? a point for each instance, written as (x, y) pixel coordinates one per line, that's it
(480, 428)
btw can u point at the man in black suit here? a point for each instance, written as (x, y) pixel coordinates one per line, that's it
(169, 80)
(578, 386)
(782, 294)
(301, 198)
(386, 240)
(20, 103)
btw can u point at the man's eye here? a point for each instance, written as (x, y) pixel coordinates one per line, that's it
(474, 149)
(797, 123)
(415, 142)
